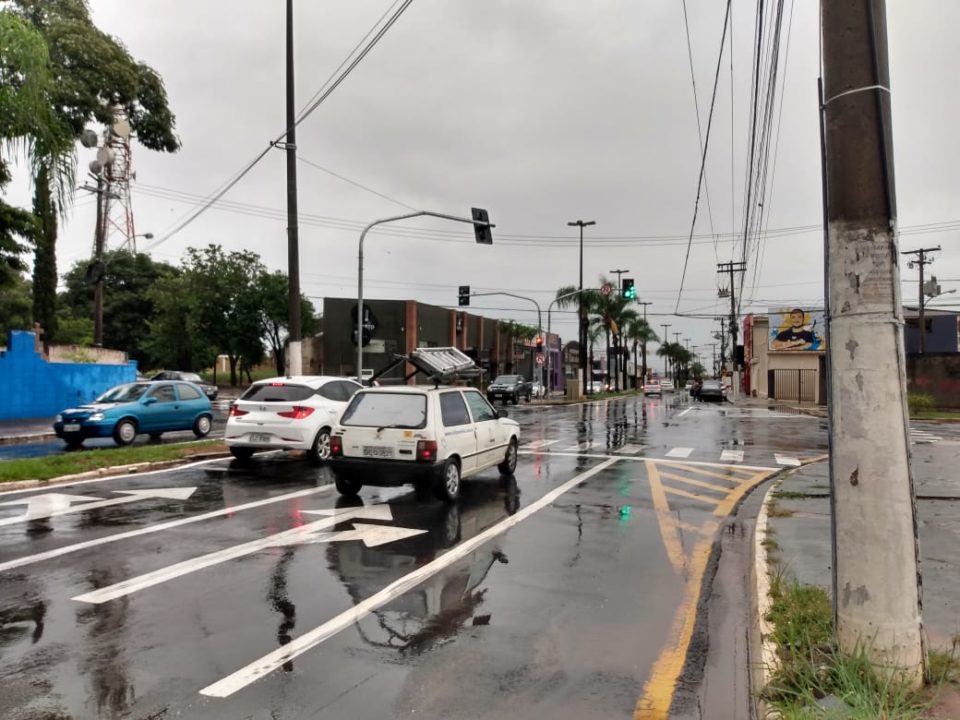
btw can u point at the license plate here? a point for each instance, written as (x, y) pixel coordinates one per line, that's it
(377, 451)
(259, 437)
(71, 427)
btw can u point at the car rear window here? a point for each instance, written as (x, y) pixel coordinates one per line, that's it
(386, 409)
(506, 379)
(277, 392)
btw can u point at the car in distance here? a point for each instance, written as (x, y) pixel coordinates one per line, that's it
(509, 387)
(288, 413)
(667, 386)
(431, 437)
(713, 390)
(653, 388)
(125, 411)
(209, 389)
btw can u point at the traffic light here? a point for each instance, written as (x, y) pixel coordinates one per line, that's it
(481, 233)
(464, 295)
(628, 290)
(539, 342)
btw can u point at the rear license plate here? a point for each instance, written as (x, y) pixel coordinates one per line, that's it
(71, 427)
(377, 451)
(259, 437)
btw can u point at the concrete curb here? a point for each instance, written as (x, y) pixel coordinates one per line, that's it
(26, 438)
(764, 649)
(133, 468)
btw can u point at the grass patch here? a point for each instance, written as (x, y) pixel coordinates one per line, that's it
(789, 495)
(936, 415)
(815, 680)
(920, 402)
(80, 461)
(775, 510)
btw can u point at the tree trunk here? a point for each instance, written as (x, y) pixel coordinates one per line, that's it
(45, 259)
(643, 360)
(233, 368)
(607, 374)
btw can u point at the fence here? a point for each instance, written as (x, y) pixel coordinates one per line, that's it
(794, 385)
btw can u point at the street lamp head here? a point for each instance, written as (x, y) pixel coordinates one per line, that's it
(582, 223)
(148, 236)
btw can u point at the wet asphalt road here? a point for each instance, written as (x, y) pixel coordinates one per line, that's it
(555, 593)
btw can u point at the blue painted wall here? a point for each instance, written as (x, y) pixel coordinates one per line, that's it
(31, 387)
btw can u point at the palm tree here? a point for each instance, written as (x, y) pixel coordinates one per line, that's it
(640, 333)
(568, 296)
(515, 331)
(593, 335)
(614, 312)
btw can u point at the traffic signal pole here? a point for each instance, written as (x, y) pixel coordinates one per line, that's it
(539, 321)
(876, 583)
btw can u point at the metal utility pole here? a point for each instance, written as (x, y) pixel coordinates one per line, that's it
(619, 273)
(581, 315)
(295, 353)
(920, 262)
(731, 268)
(644, 353)
(876, 588)
(665, 341)
(98, 243)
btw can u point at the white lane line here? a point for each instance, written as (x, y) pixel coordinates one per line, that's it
(685, 411)
(45, 488)
(310, 532)
(629, 458)
(680, 452)
(77, 547)
(270, 662)
(731, 456)
(539, 444)
(787, 460)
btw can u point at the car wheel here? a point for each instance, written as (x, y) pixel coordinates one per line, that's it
(347, 485)
(201, 426)
(516, 399)
(447, 487)
(242, 453)
(509, 463)
(74, 444)
(320, 451)
(124, 432)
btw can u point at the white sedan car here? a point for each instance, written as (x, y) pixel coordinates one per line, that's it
(288, 413)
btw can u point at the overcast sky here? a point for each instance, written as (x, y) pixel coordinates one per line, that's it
(541, 112)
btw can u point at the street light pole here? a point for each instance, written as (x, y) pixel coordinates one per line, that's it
(295, 354)
(665, 341)
(549, 308)
(580, 315)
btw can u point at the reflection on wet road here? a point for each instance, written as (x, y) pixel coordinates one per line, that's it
(568, 590)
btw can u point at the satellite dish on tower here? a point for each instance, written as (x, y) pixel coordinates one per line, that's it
(105, 156)
(88, 138)
(121, 129)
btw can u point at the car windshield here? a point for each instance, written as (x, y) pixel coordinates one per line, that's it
(506, 379)
(191, 377)
(276, 392)
(123, 393)
(386, 409)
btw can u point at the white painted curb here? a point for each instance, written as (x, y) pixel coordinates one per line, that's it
(761, 581)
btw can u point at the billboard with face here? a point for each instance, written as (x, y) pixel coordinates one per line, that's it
(797, 330)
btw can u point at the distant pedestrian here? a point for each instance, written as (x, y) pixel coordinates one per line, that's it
(695, 390)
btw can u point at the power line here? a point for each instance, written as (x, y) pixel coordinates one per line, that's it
(703, 160)
(354, 183)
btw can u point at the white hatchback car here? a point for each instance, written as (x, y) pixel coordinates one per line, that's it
(421, 435)
(288, 413)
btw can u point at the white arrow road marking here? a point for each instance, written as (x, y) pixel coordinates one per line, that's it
(169, 525)
(270, 662)
(731, 456)
(371, 535)
(680, 452)
(787, 460)
(303, 534)
(41, 506)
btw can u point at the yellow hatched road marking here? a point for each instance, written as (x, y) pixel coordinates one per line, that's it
(697, 483)
(669, 526)
(729, 477)
(691, 496)
(733, 498)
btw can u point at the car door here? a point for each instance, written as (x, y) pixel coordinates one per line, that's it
(159, 409)
(190, 404)
(491, 446)
(458, 434)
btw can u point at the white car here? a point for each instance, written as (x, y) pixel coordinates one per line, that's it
(421, 435)
(667, 385)
(653, 388)
(288, 413)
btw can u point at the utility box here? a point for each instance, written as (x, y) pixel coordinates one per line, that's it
(574, 389)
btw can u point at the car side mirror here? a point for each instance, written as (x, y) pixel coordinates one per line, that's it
(149, 401)
(502, 413)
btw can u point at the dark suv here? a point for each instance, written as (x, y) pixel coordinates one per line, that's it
(209, 390)
(509, 387)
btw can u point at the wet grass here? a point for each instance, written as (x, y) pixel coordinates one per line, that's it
(814, 680)
(936, 415)
(789, 495)
(80, 461)
(774, 509)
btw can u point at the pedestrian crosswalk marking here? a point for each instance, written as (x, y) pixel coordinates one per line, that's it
(680, 452)
(923, 437)
(731, 456)
(584, 446)
(632, 449)
(696, 483)
(787, 460)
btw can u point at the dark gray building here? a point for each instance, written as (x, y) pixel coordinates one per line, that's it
(941, 330)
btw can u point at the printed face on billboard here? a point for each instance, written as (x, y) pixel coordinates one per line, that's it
(796, 330)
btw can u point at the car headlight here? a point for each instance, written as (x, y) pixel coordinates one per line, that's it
(58, 418)
(96, 417)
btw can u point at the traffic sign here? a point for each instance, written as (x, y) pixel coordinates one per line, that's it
(606, 289)
(541, 359)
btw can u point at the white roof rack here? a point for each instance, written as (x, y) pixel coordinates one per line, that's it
(440, 364)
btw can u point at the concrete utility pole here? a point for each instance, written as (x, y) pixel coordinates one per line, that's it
(731, 268)
(643, 377)
(98, 243)
(295, 366)
(581, 315)
(665, 341)
(876, 596)
(619, 273)
(920, 262)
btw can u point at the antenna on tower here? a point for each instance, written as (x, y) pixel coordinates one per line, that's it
(115, 159)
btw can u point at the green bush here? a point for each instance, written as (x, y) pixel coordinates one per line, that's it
(920, 402)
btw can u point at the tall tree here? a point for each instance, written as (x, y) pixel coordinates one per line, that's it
(175, 338)
(640, 333)
(45, 258)
(274, 294)
(15, 306)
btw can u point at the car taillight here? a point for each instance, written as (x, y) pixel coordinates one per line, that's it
(336, 446)
(237, 412)
(297, 412)
(426, 450)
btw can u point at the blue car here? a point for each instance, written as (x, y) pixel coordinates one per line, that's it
(125, 411)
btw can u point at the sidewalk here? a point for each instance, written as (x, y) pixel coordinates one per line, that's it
(23, 431)
(799, 526)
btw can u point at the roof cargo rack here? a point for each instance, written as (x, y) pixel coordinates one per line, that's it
(440, 364)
